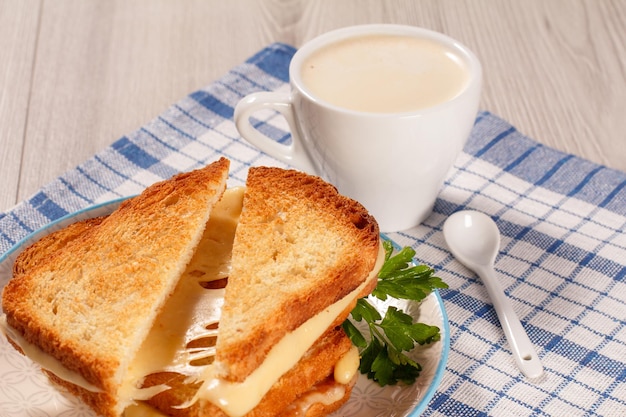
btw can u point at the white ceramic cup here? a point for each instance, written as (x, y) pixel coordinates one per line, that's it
(394, 163)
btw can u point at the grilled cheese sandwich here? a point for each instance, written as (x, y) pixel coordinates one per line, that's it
(178, 369)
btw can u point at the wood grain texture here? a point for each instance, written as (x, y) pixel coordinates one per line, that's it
(75, 75)
(18, 39)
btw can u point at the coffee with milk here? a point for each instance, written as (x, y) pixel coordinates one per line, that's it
(385, 73)
(379, 111)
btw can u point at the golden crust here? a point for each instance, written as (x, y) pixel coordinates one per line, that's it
(303, 244)
(49, 244)
(91, 304)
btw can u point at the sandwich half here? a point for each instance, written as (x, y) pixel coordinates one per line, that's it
(243, 319)
(86, 307)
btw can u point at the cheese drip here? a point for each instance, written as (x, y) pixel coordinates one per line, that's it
(347, 366)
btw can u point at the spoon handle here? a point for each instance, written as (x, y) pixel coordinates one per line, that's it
(523, 350)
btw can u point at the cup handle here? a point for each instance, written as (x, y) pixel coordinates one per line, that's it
(293, 154)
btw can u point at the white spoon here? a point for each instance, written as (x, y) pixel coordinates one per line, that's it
(474, 240)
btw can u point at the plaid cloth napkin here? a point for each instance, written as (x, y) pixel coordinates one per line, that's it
(562, 259)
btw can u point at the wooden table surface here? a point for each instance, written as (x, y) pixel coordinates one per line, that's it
(75, 75)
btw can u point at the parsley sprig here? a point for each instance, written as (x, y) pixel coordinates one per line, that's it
(383, 357)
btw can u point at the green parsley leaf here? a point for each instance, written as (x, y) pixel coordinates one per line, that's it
(397, 327)
(407, 374)
(383, 368)
(399, 278)
(368, 355)
(354, 334)
(364, 310)
(383, 357)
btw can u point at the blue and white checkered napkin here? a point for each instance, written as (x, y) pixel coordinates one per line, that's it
(562, 259)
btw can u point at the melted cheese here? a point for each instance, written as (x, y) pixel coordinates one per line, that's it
(192, 310)
(347, 366)
(47, 362)
(238, 398)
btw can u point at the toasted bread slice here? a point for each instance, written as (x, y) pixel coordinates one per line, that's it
(91, 304)
(299, 247)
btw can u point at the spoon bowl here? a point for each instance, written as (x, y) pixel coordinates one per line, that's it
(474, 239)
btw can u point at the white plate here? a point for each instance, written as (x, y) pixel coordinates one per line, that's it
(25, 391)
